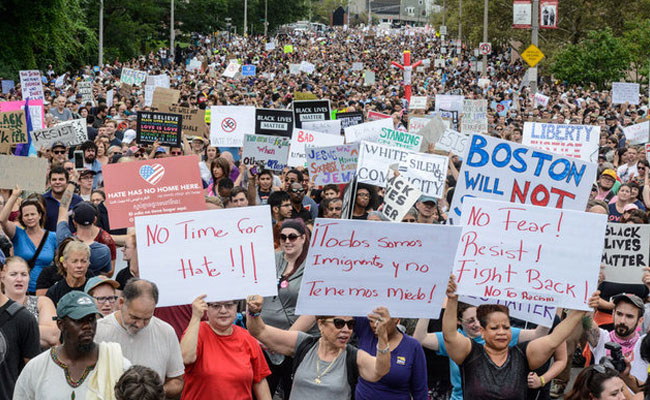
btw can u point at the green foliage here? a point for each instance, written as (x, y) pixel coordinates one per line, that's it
(601, 58)
(203, 16)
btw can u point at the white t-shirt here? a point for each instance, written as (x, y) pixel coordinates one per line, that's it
(155, 346)
(42, 378)
(639, 367)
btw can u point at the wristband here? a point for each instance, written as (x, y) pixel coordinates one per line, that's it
(253, 315)
(541, 378)
(383, 351)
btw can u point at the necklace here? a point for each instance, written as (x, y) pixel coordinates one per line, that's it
(319, 375)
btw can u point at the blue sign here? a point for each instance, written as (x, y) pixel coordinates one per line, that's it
(7, 85)
(248, 70)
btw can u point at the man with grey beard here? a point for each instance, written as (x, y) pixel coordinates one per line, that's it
(77, 367)
(145, 339)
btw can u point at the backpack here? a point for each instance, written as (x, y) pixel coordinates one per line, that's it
(9, 312)
(350, 361)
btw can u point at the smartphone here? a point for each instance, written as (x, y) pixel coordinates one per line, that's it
(78, 159)
(253, 170)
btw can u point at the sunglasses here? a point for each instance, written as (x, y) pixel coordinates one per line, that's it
(297, 190)
(59, 152)
(292, 237)
(138, 155)
(409, 220)
(339, 323)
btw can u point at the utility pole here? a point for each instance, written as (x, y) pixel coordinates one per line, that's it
(460, 21)
(266, 18)
(485, 33)
(369, 12)
(444, 12)
(101, 33)
(171, 32)
(535, 40)
(245, 17)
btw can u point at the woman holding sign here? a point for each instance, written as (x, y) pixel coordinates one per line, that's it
(495, 370)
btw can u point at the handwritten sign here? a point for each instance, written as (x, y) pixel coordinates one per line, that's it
(230, 124)
(449, 102)
(273, 151)
(301, 138)
(432, 131)
(151, 187)
(427, 172)
(31, 85)
(474, 117)
(310, 110)
(35, 110)
(501, 170)
(418, 103)
(162, 127)
(13, 128)
(86, 90)
(354, 265)
(164, 97)
(368, 131)
(373, 162)
(349, 119)
(638, 133)
(579, 141)
(158, 80)
(453, 142)
(71, 133)
(332, 127)
(405, 140)
(417, 123)
(529, 254)
(132, 77)
(193, 119)
(540, 100)
(273, 122)
(399, 198)
(227, 254)
(28, 172)
(332, 164)
(540, 314)
(369, 78)
(626, 252)
(374, 115)
(623, 92)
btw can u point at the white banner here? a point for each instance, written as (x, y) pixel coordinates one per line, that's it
(301, 137)
(579, 141)
(229, 124)
(71, 133)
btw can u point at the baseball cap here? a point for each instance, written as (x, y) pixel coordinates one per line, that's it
(99, 280)
(631, 298)
(87, 172)
(84, 213)
(75, 305)
(129, 136)
(58, 144)
(427, 199)
(609, 172)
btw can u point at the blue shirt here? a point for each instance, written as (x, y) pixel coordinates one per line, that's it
(100, 254)
(52, 209)
(407, 377)
(454, 371)
(25, 248)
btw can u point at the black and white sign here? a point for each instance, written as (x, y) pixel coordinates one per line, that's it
(310, 110)
(273, 122)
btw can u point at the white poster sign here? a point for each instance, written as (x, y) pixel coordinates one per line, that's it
(625, 92)
(638, 133)
(230, 123)
(400, 196)
(579, 141)
(231, 70)
(158, 80)
(374, 159)
(449, 102)
(626, 252)
(540, 100)
(272, 151)
(474, 117)
(269, 46)
(332, 126)
(453, 142)
(109, 97)
(427, 172)
(31, 85)
(332, 164)
(71, 133)
(302, 137)
(132, 76)
(418, 103)
(368, 131)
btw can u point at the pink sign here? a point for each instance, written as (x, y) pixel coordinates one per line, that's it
(151, 187)
(35, 110)
(374, 115)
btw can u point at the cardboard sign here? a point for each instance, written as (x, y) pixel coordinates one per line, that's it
(28, 172)
(453, 142)
(449, 102)
(427, 172)
(304, 95)
(230, 124)
(71, 133)
(310, 110)
(626, 252)
(502, 170)
(332, 164)
(273, 151)
(418, 103)
(638, 133)
(522, 253)
(163, 97)
(332, 127)
(227, 254)
(374, 159)
(374, 116)
(159, 80)
(31, 85)
(132, 77)
(625, 92)
(13, 129)
(399, 198)
(352, 266)
(273, 122)
(474, 117)
(349, 119)
(85, 88)
(405, 140)
(540, 314)
(301, 138)
(151, 187)
(193, 119)
(579, 141)
(368, 131)
(162, 127)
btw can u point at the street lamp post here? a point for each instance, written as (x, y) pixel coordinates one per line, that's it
(266, 17)
(171, 31)
(245, 17)
(101, 33)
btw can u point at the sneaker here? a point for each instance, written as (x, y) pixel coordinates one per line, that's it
(557, 389)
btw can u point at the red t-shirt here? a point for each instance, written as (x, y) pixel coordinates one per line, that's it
(225, 366)
(104, 237)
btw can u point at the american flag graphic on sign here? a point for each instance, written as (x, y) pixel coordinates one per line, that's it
(152, 173)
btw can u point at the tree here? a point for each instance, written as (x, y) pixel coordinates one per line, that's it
(202, 16)
(637, 39)
(601, 59)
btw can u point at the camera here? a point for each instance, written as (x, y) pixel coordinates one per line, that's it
(616, 358)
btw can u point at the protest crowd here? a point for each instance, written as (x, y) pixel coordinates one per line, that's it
(288, 152)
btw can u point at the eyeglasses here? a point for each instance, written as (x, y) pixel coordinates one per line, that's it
(218, 306)
(106, 299)
(339, 323)
(59, 152)
(294, 190)
(292, 237)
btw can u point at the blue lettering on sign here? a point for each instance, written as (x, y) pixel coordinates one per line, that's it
(561, 132)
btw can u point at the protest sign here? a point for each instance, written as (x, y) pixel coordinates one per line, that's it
(540, 314)
(288, 48)
(638, 133)
(368, 78)
(529, 254)
(427, 172)
(71, 133)
(626, 252)
(502, 170)
(307, 67)
(150, 187)
(301, 138)
(227, 254)
(194, 65)
(31, 85)
(304, 96)
(13, 129)
(109, 97)
(374, 116)
(85, 88)
(579, 141)
(7, 85)
(349, 119)
(132, 77)
(357, 66)
(647, 151)
(35, 110)
(483, 83)
(453, 142)
(230, 123)
(269, 46)
(418, 103)
(248, 70)
(353, 266)
(193, 119)
(449, 102)
(273, 151)
(368, 131)
(27, 172)
(162, 127)
(405, 140)
(332, 126)
(373, 162)
(540, 100)
(164, 97)
(231, 70)
(332, 164)
(417, 123)
(474, 117)
(623, 92)
(273, 122)
(310, 110)
(294, 69)
(148, 95)
(158, 80)
(431, 132)
(399, 198)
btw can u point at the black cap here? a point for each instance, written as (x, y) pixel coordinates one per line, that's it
(58, 144)
(84, 213)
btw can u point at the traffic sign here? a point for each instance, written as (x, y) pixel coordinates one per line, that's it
(485, 48)
(443, 30)
(532, 55)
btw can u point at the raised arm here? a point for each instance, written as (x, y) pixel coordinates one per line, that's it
(591, 328)
(304, 323)
(428, 340)
(64, 204)
(559, 362)
(458, 346)
(190, 339)
(526, 335)
(372, 368)
(277, 340)
(7, 226)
